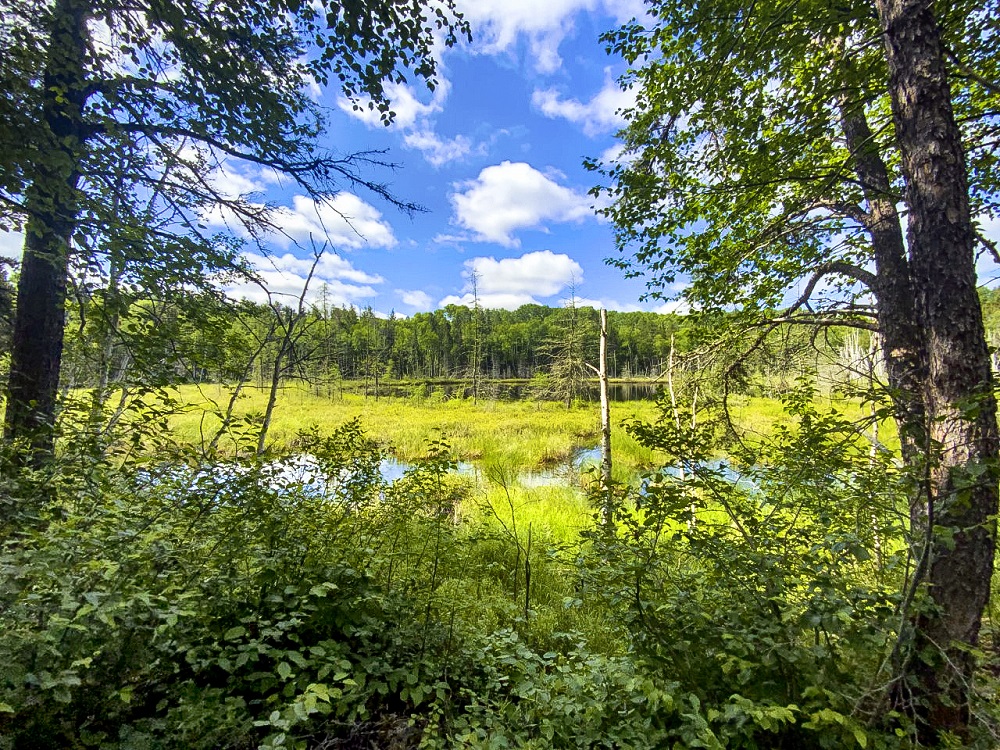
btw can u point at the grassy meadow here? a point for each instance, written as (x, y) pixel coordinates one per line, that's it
(527, 434)
(509, 443)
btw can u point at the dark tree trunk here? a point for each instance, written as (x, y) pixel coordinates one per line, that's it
(902, 342)
(52, 206)
(961, 475)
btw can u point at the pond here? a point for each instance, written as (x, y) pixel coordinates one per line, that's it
(303, 473)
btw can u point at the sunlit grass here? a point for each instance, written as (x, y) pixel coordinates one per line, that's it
(529, 433)
(506, 519)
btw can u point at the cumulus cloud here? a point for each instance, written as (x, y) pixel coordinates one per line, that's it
(415, 119)
(436, 150)
(601, 114)
(511, 282)
(613, 154)
(498, 24)
(345, 220)
(11, 244)
(232, 182)
(511, 196)
(403, 101)
(987, 267)
(674, 307)
(284, 276)
(416, 298)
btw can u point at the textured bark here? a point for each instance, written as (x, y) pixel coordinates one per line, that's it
(902, 343)
(52, 206)
(961, 475)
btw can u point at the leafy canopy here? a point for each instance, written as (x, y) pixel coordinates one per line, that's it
(170, 91)
(735, 173)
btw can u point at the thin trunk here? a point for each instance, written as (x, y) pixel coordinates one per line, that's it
(961, 474)
(902, 344)
(227, 418)
(113, 310)
(52, 205)
(870, 361)
(272, 395)
(287, 342)
(602, 374)
(681, 474)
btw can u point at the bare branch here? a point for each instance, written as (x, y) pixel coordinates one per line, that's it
(991, 86)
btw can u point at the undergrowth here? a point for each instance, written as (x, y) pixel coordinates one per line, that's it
(300, 600)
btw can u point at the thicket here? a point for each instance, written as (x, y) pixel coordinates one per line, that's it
(160, 598)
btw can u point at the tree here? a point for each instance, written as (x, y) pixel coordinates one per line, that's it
(770, 149)
(201, 83)
(568, 350)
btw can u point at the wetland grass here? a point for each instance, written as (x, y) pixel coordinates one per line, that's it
(530, 434)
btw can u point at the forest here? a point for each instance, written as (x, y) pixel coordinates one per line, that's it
(766, 519)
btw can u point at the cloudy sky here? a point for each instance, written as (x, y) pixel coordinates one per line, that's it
(495, 156)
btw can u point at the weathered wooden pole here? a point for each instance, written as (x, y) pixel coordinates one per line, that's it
(605, 425)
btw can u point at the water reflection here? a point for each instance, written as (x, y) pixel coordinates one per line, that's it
(304, 474)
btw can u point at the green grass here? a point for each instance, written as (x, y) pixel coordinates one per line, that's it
(527, 434)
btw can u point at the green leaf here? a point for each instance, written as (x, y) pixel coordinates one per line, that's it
(233, 633)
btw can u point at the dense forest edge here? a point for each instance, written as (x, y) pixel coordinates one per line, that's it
(292, 524)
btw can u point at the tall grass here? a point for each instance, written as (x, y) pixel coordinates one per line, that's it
(530, 434)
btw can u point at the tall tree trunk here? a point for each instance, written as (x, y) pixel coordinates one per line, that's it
(52, 205)
(902, 342)
(961, 474)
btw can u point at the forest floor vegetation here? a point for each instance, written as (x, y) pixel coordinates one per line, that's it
(188, 600)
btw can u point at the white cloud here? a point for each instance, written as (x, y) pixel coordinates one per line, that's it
(414, 118)
(231, 182)
(601, 114)
(285, 276)
(498, 24)
(403, 102)
(596, 304)
(436, 150)
(345, 220)
(511, 282)
(490, 301)
(11, 244)
(416, 298)
(613, 154)
(511, 196)
(987, 268)
(674, 307)
(677, 304)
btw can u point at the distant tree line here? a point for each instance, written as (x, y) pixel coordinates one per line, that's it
(205, 338)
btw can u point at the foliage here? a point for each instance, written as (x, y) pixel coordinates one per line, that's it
(737, 174)
(271, 603)
(300, 600)
(207, 341)
(767, 585)
(770, 160)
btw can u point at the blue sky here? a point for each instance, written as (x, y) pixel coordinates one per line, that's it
(495, 156)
